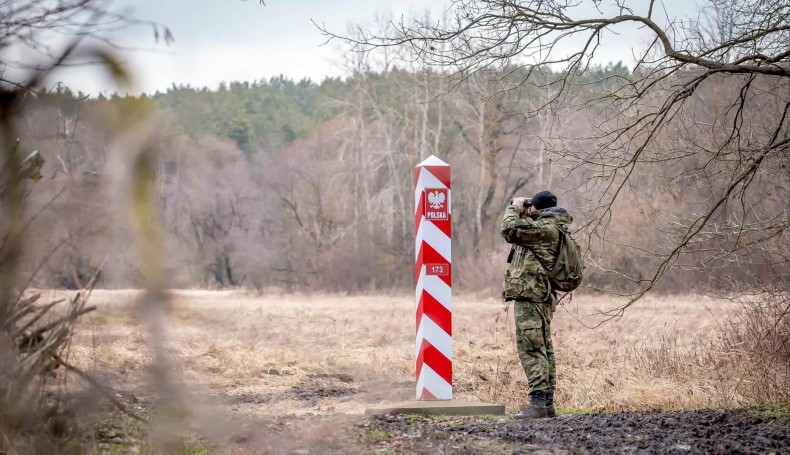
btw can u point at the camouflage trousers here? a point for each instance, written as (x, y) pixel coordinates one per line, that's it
(533, 342)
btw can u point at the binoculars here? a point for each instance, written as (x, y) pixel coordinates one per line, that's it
(527, 202)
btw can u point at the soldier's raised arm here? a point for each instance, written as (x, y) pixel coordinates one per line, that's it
(520, 231)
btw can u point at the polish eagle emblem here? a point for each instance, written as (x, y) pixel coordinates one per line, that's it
(436, 199)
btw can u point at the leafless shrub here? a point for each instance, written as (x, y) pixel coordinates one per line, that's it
(745, 357)
(31, 348)
(35, 336)
(756, 339)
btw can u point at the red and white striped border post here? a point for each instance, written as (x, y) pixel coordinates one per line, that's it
(433, 280)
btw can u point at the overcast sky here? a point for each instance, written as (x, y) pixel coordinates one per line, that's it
(227, 40)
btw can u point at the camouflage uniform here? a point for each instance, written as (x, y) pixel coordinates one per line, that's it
(536, 241)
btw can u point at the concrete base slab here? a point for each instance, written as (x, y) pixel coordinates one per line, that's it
(439, 407)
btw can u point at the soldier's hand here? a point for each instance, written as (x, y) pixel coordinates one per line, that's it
(519, 203)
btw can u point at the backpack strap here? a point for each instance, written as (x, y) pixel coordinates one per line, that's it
(563, 228)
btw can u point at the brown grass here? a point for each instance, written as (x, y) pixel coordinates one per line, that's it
(288, 354)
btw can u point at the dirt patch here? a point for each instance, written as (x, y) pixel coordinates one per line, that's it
(693, 432)
(342, 377)
(310, 391)
(255, 398)
(324, 385)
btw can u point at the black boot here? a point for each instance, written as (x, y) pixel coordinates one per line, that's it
(537, 407)
(550, 403)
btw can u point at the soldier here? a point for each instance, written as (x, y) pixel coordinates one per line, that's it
(530, 225)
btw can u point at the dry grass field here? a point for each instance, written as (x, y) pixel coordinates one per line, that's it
(290, 355)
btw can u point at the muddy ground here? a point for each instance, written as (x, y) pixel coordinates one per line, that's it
(763, 431)
(692, 432)
(725, 432)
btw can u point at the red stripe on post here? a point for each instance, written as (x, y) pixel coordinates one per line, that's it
(428, 255)
(431, 356)
(418, 215)
(426, 395)
(431, 256)
(438, 313)
(445, 226)
(442, 173)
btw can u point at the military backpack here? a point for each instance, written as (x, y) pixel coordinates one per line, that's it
(566, 275)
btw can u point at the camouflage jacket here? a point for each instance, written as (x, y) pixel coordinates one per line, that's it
(536, 240)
